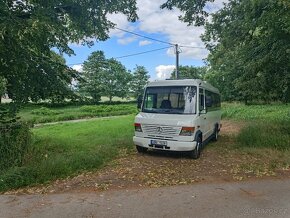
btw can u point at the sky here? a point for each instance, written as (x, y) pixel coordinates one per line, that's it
(155, 23)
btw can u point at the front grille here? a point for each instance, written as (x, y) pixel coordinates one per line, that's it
(161, 131)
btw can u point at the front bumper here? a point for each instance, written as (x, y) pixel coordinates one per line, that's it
(171, 145)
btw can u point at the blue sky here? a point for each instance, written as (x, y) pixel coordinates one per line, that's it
(162, 25)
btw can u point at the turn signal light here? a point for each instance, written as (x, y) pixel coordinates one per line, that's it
(187, 131)
(138, 127)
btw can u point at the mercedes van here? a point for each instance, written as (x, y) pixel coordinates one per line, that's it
(178, 115)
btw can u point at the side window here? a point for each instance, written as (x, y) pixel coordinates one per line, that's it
(208, 99)
(201, 100)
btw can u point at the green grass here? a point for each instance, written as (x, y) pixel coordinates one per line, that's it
(67, 149)
(266, 134)
(64, 150)
(238, 111)
(37, 114)
(268, 126)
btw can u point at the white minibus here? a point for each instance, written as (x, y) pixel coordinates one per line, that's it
(178, 115)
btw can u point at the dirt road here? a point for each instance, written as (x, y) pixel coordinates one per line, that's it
(268, 198)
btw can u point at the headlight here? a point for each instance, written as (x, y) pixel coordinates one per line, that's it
(187, 131)
(138, 127)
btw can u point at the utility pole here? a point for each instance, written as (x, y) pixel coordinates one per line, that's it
(177, 62)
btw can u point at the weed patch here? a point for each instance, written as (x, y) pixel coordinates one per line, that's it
(274, 135)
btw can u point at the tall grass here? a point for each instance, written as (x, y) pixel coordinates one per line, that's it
(66, 149)
(268, 126)
(238, 111)
(265, 134)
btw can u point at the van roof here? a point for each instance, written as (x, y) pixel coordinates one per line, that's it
(184, 82)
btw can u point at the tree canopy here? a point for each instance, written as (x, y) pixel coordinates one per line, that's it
(29, 29)
(104, 77)
(139, 80)
(249, 43)
(193, 10)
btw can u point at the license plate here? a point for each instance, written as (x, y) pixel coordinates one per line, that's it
(158, 142)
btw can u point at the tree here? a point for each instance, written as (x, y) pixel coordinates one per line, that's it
(115, 80)
(104, 77)
(89, 83)
(139, 81)
(193, 10)
(249, 46)
(30, 29)
(190, 72)
(250, 42)
(223, 81)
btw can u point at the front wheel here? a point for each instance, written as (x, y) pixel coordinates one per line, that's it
(195, 154)
(215, 136)
(141, 149)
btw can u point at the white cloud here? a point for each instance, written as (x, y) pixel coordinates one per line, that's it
(78, 67)
(164, 71)
(121, 22)
(127, 40)
(154, 20)
(145, 42)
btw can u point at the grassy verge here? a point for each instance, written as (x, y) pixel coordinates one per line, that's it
(268, 126)
(63, 150)
(274, 135)
(238, 111)
(37, 114)
(263, 144)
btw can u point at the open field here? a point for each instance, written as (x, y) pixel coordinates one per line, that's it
(38, 114)
(245, 149)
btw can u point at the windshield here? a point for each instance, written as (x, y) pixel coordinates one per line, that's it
(170, 99)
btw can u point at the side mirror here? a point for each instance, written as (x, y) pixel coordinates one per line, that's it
(139, 102)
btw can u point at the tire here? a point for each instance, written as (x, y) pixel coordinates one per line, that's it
(195, 154)
(141, 149)
(215, 134)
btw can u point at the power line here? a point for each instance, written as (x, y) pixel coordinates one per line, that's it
(146, 37)
(187, 46)
(129, 55)
(157, 40)
(144, 52)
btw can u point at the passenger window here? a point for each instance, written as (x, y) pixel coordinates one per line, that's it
(208, 99)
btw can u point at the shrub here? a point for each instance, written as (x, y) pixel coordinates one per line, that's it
(108, 109)
(44, 111)
(14, 142)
